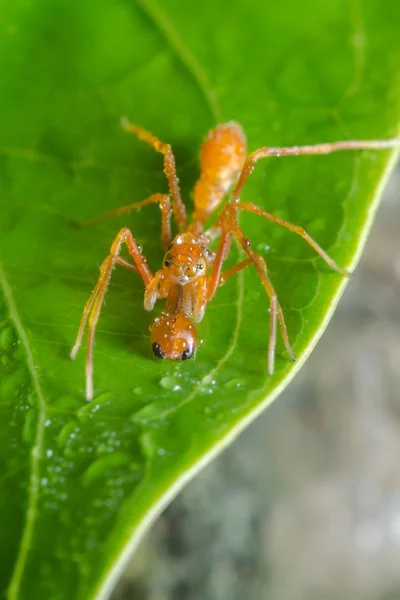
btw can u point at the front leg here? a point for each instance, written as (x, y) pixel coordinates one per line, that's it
(93, 306)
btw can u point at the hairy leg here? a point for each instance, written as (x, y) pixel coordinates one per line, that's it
(328, 148)
(253, 208)
(229, 227)
(165, 206)
(93, 306)
(169, 169)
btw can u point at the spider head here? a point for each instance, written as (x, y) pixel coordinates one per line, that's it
(186, 259)
(173, 337)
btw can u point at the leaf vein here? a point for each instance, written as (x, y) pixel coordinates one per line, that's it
(170, 34)
(33, 492)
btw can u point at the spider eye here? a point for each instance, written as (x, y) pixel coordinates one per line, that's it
(167, 263)
(200, 266)
(157, 350)
(188, 353)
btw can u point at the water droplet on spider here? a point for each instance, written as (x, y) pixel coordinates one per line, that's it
(170, 383)
(235, 383)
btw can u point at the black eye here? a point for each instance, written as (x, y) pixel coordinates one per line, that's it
(167, 263)
(157, 350)
(188, 353)
(200, 266)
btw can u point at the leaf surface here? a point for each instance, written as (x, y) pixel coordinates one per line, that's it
(81, 482)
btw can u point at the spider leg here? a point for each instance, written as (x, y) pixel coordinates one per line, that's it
(125, 263)
(216, 269)
(242, 265)
(233, 270)
(253, 208)
(306, 150)
(230, 226)
(93, 306)
(165, 206)
(169, 169)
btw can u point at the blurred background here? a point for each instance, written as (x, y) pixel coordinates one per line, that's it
(305, 505)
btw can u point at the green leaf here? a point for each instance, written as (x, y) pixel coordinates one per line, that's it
(82, 482)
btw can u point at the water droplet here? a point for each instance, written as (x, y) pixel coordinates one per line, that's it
(262, 247)
(29, 430)
(8, 338)
(149, 445)
(11, 382)
(66, 404)
(66, 433)
(102, 467)
(205, 389)
(90, 409)
(148, 413)
(170, 383)
(235, 383)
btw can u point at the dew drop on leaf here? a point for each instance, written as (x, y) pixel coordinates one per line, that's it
(104, 467)
(238, 382)
(170, 383)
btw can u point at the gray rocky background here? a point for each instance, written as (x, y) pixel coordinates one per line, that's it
(305, 505)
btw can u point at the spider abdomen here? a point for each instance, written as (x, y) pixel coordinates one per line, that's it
(222, 157)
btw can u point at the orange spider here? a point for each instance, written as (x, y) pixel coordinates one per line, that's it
(183, 279)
